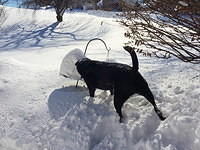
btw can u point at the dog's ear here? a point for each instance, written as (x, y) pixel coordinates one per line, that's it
(134, 58)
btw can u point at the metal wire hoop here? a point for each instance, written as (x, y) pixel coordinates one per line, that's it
(108, 49)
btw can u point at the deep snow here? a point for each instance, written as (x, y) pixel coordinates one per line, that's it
(40, 110)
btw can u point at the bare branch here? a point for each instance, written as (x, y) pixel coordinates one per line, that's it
(165, 27)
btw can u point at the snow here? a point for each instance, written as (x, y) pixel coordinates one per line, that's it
(183, 3)
(100, 3)
(41, 110)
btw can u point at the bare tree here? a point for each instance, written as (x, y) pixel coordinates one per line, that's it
(59, 5)
(164, 28)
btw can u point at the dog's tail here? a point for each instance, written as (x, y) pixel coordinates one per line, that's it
(134, 58)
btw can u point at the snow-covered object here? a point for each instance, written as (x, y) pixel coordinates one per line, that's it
(183, 3)
(100, 3)
(68, 67)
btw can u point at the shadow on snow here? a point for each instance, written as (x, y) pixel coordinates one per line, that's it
(61, 101)
(33, 35)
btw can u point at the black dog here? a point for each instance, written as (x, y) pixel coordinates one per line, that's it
(122, 80)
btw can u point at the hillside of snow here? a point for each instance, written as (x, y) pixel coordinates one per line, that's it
(40, 110)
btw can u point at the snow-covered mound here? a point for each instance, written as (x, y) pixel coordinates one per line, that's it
(68, 67)
(38, 113)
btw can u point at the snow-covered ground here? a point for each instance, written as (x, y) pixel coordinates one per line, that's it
(40, 110)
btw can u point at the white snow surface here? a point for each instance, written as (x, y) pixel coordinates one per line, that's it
(40, 110)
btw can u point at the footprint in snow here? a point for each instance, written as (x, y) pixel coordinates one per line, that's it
(178, 90)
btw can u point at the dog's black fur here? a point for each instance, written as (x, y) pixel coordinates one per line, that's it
(122, 80)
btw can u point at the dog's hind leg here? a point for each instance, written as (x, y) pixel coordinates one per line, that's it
(159, 113)
(149, 96)
(118, 103)
(118, 108)
(112, 91)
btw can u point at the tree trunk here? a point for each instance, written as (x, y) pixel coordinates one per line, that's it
(60, 6)
(59, 18)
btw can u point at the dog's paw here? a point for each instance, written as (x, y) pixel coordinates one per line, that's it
(162, 118)
(121, 120)
(160, 115)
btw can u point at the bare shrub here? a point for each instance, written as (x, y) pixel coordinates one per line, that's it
(164, 28)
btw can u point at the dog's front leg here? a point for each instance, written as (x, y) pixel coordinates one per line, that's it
(90, 86)
(91, 91)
